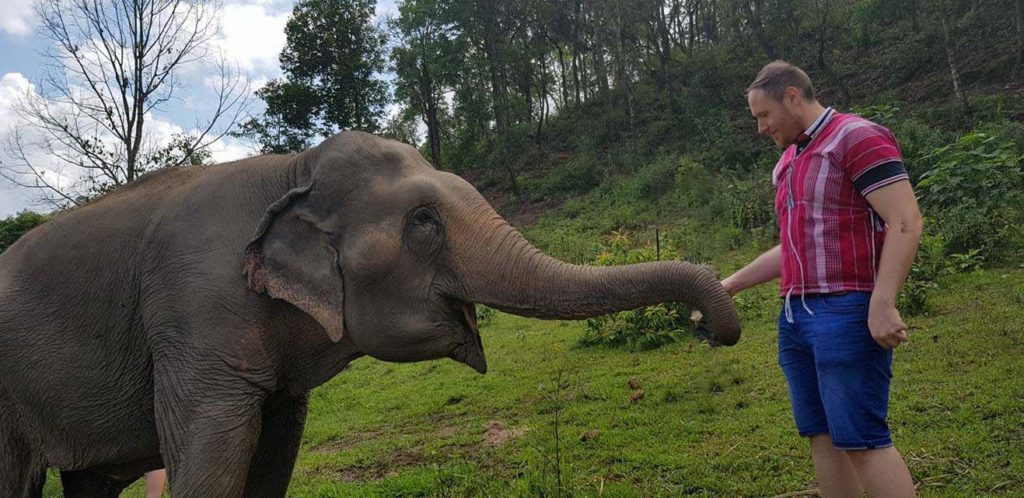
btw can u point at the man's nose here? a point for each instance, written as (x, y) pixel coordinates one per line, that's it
(762, 128)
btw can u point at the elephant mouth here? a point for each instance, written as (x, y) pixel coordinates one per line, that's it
(469, 349)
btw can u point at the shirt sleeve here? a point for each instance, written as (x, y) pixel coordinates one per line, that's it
(873, 159)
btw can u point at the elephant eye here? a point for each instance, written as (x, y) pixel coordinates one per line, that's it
(425, 216)
(422, 231)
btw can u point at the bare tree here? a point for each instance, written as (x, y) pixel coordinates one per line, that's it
(110, 63)
(954, 73)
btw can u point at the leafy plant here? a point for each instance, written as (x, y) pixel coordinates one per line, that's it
(968, 262)
(929, 265)
(641, 329)
(884, 114)
(977, 168)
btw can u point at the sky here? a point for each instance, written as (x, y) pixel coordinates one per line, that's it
(251, 37)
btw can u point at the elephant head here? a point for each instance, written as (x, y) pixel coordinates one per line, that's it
(378, 246)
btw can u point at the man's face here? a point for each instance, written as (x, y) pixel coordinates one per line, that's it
(775, 118)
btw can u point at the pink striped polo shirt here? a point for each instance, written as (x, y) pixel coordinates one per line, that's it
(831, 238)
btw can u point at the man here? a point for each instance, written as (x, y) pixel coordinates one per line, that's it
(849, 226)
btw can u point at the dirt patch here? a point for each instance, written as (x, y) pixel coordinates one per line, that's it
(447, 432)
(496, 434)
(345, 443)
(395, 463)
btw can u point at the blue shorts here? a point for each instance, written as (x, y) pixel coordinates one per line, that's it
(838, 375)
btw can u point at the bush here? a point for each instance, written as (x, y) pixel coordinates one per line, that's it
(978, 167)
(641, 329)
(929, 265)
(974, 194)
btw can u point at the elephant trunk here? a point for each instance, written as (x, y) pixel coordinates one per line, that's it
(499, 268)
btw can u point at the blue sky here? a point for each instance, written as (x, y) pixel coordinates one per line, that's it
(251, 37)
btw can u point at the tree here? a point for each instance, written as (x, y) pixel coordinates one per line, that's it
(13, 227)
(331, 61)
(426, 60)
(112, 62)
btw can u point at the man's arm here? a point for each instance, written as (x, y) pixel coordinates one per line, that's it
(896, 204)
(765, 268)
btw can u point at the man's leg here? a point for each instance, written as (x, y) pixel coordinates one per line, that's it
(883, 472)
(836, 474)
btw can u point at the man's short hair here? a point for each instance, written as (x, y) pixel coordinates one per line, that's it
(776, 76)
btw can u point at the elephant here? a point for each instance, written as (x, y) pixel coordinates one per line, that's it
(181, 321)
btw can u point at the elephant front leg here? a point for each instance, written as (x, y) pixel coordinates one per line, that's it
(208, 435)
(278, 447)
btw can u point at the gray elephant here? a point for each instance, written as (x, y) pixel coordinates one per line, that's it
(181, 321)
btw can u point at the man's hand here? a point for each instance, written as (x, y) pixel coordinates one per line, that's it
(886, 325)
(730, 286)
(765, 268)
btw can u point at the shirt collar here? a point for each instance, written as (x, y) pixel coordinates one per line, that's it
(819, 123)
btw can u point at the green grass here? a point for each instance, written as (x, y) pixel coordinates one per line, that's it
(713, 421)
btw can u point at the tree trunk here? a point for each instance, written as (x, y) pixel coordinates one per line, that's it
(497, 86)
(694, 9)
(543, 100)
(914, 14)
(576, 49)
(844, 89)
(953, 72)
(1020, 33)
(434, 134)
(752, 9)
(665, 47)
(562, 73)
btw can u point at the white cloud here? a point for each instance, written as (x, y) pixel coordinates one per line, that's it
(386, 8)
(228, 149)
(12, 87)
(17, 18)
(252, 36)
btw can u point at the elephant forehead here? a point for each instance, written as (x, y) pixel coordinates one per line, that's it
(404, 192)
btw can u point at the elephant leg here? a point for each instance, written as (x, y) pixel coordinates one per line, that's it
(209, 426)
(278, 447)
(22, 471)
(89, 484)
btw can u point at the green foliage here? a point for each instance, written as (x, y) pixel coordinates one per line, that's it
(929, 265)
(883, 114)
(13, 227)
(484, 314)
(975, 192)
(641, 329)
(331, 61)
(978, 168)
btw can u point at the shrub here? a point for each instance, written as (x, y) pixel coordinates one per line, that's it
(974, 193)
(978, 167)
(640, 329)
(929, 265)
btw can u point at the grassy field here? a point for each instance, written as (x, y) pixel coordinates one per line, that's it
(712, 421)
(554, 419)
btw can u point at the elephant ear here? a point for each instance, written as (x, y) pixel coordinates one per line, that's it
(291, 259)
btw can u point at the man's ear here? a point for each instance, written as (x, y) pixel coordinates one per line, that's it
(791, 96)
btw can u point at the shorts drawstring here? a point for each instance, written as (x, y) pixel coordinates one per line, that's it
(790, 205)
